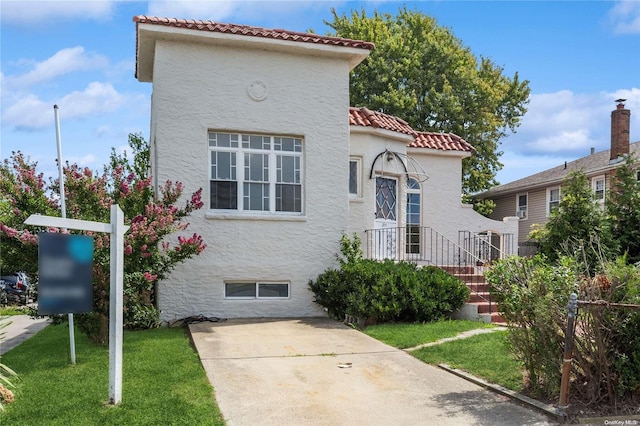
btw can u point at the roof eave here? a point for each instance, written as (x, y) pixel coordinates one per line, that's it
(384, 133)
(439, 152)
(148, 33)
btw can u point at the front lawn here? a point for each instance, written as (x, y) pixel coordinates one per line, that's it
(485, 355)
(402, 335)
(163, 381)
(11, 310)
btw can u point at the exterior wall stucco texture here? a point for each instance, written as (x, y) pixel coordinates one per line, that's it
(199, 88)
(441, 210)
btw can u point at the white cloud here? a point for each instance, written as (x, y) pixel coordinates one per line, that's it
(31, 113)
(84, 161)
(102, 131)
(566, 123)
(625, 17)
(517, 166)
(564, 126)
(564, 141)
(64, 61)
(30, 11)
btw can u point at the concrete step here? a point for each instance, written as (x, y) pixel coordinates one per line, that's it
(484, 307)
(455, 269)
(481, 296)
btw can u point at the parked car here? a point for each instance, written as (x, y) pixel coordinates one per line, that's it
(16, 288)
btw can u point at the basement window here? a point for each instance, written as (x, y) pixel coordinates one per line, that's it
(256, 290)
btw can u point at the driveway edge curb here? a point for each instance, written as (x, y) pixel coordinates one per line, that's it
(547, 409)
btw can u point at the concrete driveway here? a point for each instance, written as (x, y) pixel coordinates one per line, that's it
(315, 371)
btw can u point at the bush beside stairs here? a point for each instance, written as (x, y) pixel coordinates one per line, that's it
(477, 307)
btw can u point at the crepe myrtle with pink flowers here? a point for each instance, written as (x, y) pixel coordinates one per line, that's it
(152, 248)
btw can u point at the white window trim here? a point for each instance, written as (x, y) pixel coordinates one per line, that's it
(518, 206)
(358, 161)
(549, 198)
(257, 289)
(594, 181)
(272, 153)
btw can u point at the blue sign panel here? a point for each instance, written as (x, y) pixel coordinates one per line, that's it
(65, 283)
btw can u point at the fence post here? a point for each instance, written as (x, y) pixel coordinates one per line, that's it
(567, 357)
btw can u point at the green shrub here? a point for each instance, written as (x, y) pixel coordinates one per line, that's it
(386, 290)
(533, 296)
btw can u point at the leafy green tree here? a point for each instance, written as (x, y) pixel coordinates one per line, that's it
(623, 209)
(421, 72)
(578, 221)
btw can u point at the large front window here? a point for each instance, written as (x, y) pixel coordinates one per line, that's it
(255, 173)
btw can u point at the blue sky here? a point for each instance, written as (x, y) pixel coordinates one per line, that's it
(578, 56)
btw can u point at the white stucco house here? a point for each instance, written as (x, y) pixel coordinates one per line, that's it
(260, 119)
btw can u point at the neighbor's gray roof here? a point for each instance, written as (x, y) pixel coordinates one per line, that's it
(590, 165)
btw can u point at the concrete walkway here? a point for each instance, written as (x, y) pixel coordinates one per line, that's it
(21, 328)
(316, 371)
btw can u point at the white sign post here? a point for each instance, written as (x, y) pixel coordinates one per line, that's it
(117, 229)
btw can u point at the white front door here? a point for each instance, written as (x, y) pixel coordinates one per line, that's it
(386, 222)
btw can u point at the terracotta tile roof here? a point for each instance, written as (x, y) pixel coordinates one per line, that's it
(368, 118)
(245, 30)
(433, 140)
(442, 141)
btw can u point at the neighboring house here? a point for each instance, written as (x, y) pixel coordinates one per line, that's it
(260, 119)
(533, 198)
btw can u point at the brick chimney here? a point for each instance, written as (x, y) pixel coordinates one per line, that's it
(620, 119)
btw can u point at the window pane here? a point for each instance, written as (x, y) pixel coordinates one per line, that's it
(353, 177)
(522, 200)
(413, 239)
(222, 140)
(273, 290)
(413, 184)
(223, 165)
(256, 167)
(224, 195)
(287, 169)
(256, 196)
(385, 198)
(288, 198)
(240, 290)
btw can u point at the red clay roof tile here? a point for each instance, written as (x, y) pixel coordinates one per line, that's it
(368, 118)
(195, 24)
(433, 140)
(442, 141)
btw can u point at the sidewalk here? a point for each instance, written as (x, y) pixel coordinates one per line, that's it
(21, 328)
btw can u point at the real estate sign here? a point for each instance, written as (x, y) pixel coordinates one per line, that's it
(65, 264)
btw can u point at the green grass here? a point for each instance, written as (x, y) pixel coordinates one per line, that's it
(163, 382)
(403, 336)
(485, 356)
(11, 310)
